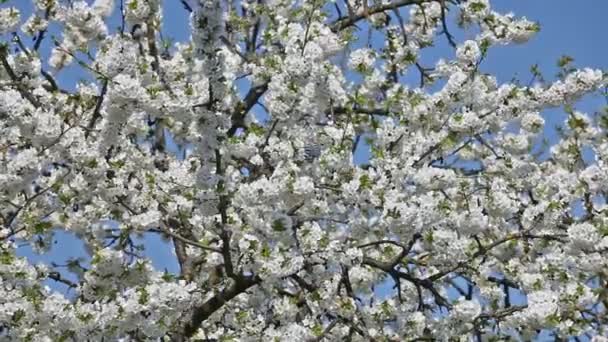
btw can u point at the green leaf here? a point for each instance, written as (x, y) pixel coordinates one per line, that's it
(364, 182)
(484, 46)
(64, 198)
(168, 277)
(375, 124)
(41, 227)
(564, 61)
(535, 70)
(84, 317)
(278, 225)
(265, 252)
(150, 180)
(553, 320)
(324, 241)
(56, 186)
(144, 296)
(603, 230)
(576, 122)
(6, 258)
(534, 27)
(92, 163)
(18, 315)
(477, 6)
(117, 164)
(450, 140)
(604, 119)
(377, 152)
(256, 129)
(241, 316)
(428, 237)
(317, 330)
(554, 205)
(67, 336)
(416, 99)
(132, 5)
(316, 296)
(363, 69)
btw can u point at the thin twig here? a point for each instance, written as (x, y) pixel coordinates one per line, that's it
(187, 6)
(184, 240)
(97, 110)
(20, 87)
(447, 33)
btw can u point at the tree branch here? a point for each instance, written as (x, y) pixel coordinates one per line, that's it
(187, 6)
(447, 33)
(243, 107)
(352, 19)
(326, 331)
(97, 110)
(56, 276)
(201, 313)
(11, 73)
(184, 240)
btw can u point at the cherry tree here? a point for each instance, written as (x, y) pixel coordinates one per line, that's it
(237, 147)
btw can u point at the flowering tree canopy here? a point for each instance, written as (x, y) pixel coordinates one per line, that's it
(237, 148)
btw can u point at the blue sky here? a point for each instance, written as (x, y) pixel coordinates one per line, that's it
(575, 28)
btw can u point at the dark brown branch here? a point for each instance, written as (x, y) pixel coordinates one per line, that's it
(41, 33)
(389, 268)
(347, 283)
(97, 110)
(52, 83)
(20, 87)
(424, 75)
(182, 259)
(394, 144)
(233, 49)
(303, 284)
(486, 144)
(81, 63)
(381, 242)
(447, 33)
(307, 31)
(295, 208)
(353, 18)
(269, 134)
(153, 51)
(187, 6)
(122, 18)
(360, 110)
(29, 201)
(326, 331)
(338, 10)
(225, 234)
(243, 107)
(184, 240)
(427, 153)
(485, 249)
(250, 43)
(202, 312)
(56, 276)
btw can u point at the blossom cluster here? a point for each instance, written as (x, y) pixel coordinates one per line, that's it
(460, 209)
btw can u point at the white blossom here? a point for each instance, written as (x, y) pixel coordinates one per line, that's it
(278, 174)
(468, 53)
(361, 59)
(583, 235)
(9, 19)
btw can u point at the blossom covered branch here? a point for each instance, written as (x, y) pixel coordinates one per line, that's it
(241, 147)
